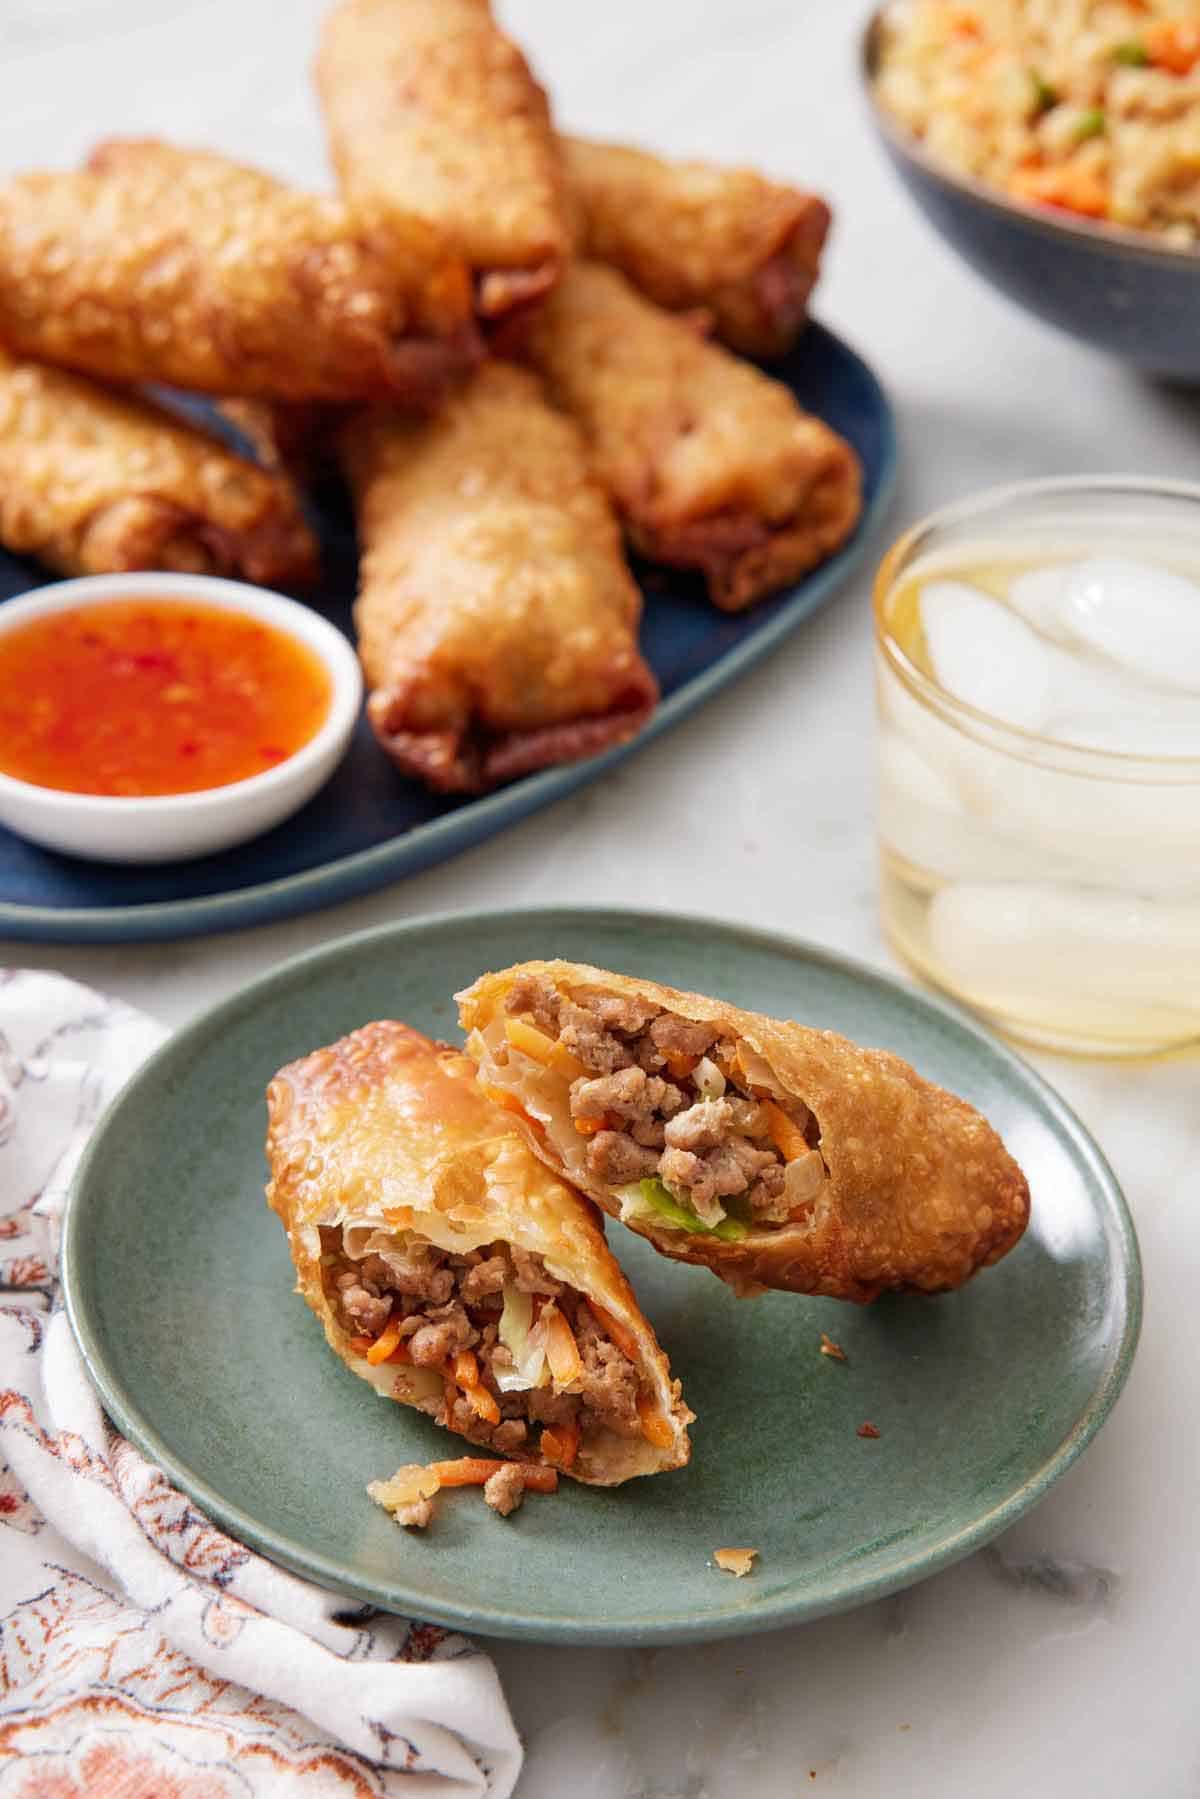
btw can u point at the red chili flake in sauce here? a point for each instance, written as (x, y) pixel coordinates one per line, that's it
(138, 697)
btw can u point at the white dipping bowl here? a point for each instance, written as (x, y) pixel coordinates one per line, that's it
(170, 826)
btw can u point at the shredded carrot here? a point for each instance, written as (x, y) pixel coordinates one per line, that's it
(1174, 44)
(587, 1127)
(787, 1136)
(655, 1428)
(482, 1404)
(560, 1444)
(562, 1351)
(467, 1471)
(620, 1333)
(681, 1064)
(1075, 190)
(465, 1370)
(499, 1096)
(476, 1471)
(386, 1342)
(540, 1048)
(539, 1480)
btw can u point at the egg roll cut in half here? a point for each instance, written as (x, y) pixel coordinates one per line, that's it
(497, 620)
(95, 482)
(777, 1155)
(695, 235)
(158, 264)
(453, 1271)
(711, 464)
(429, 108)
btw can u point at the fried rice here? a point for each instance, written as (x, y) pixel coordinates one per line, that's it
(1088, 106)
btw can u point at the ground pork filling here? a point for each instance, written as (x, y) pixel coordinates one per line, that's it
(458, 1314)
(662, 1097)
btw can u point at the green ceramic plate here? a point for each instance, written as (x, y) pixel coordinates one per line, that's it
(179, 1287)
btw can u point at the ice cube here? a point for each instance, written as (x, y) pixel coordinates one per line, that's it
(1143, 834)
(1038, 596)
(984, 655)
(1129, 733)
(1140, 615)
(1007, 942)
(904, 772)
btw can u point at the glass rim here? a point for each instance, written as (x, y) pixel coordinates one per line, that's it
(1028, 745)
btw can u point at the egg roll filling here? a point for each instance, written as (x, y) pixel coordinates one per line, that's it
(661, 1109)
(487, 1342)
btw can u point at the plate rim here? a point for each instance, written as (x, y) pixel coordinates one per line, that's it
(372, 869)
(746, 1615)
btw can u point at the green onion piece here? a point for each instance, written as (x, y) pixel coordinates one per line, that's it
(1091, 124)
(1132, 55)
(1044, 94)
(731, 1230)
(667, 1208)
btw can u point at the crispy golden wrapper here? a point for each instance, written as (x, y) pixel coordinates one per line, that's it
(95, 482)
(914, 1189)
(295, 438)
(693, 235)
(431, 109)
(387, 1132)
(710, 463)
(181, 267)
(497, 620)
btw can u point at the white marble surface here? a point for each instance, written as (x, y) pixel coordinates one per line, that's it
(1061, 1661)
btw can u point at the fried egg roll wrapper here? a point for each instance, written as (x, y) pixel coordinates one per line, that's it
(497, 620)
(877, 1178)
(711, 465)
(96, 482)
(430, 108)
(295, 439)
(175, 266)
(383, 1145)
(694, 236)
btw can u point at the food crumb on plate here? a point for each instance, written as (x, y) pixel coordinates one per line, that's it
(868, 1429)
(737, 1562)
(830, 1348)
(408, 1495)
(410, 1492)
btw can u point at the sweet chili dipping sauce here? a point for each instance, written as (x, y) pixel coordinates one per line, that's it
(137, 697)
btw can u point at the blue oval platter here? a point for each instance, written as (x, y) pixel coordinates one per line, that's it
(370, 825)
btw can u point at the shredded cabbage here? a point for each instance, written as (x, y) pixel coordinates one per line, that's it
(529, 1357)
(651, 1199)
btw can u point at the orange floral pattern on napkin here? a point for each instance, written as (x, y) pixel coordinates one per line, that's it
(144, 1654)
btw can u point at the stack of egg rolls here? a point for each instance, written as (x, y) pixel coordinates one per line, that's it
(498, 620)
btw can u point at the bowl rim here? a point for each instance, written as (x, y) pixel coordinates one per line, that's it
(1078, 231)
(295, 620)
(1071, 758)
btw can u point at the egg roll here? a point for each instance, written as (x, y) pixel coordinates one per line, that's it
(775, 1154)
(96, 482)
(158, 264)
(295, 439)
(430, 108)
(693, 235)
(711, 464)
(453, 1271)
(497, 621)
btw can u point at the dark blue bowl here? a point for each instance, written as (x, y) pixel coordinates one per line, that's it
(1123, 291)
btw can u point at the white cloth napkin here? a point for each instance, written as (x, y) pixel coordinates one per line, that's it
(142, 1651)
